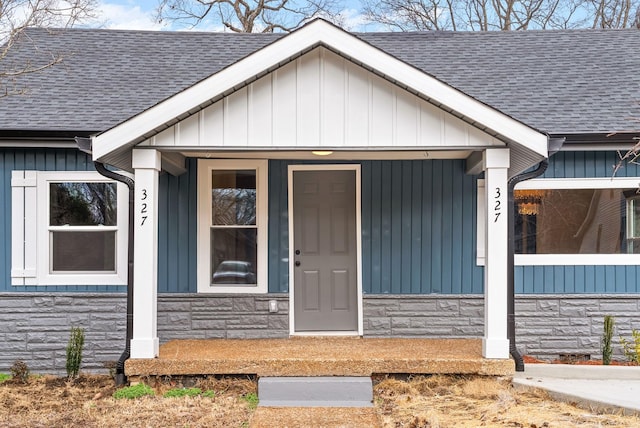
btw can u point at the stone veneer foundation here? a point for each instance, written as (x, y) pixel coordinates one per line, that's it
(34, 327)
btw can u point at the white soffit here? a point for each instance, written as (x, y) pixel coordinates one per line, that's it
(316, 33)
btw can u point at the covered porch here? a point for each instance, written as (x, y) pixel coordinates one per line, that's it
(319, 356)
(265, 120)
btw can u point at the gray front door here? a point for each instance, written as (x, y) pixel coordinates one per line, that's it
(325, 253)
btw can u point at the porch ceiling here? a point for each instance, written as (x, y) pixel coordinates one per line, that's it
(320, 87)
(330, 155)
(320, 356)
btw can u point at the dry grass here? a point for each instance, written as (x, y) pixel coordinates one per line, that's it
(420, 401)
(473, 401)
(88, 402)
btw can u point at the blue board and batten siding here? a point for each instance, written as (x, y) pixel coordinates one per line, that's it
(177, 231)
(581, 279)
(41, 160)
(404, 250)
(418, 227)
(588, 165)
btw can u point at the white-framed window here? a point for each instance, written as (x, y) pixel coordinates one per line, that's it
(576, 221)
(584, 221)
(232, 226)
(68, 228)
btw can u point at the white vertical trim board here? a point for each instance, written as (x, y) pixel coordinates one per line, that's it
(145, 342)
(480, 222)
(23, 230)
(358, 201)
(495, 343)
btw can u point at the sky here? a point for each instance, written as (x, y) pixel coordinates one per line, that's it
(139, 15)
(127, 15)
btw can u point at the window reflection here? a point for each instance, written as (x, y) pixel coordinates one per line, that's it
(233, 197)
(573, 221)
(83, 204)
(234, 231)
(233, 256)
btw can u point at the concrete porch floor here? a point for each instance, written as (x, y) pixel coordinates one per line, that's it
(319, 356)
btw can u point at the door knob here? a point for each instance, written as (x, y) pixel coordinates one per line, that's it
(297, 252)
(297, 262)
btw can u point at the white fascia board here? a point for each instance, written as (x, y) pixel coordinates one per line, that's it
(282, 50)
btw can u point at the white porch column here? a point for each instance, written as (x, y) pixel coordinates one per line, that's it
(495, 343)
(145, 344)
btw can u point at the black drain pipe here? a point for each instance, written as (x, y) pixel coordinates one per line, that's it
(84, 144)
(511, 298)
(553, 145)
(121, 378)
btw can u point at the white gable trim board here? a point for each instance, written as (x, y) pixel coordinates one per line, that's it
(321, 100)
(272, 57)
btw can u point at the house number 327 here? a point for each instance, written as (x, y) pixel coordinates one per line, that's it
(143, 209)
(497, 208)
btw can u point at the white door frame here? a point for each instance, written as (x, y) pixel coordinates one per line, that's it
(326, 167)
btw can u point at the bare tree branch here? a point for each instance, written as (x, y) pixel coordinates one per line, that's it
(503, 15)
(614, 13)
(247, 16)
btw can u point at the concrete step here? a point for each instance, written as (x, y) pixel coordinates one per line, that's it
(324, 391)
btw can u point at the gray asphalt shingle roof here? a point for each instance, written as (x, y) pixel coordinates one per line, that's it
(571, 81)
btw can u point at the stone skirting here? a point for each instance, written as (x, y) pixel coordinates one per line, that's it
(195, 316)
(546, 325)
(35, 327)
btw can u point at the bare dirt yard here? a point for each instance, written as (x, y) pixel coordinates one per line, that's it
(421, 401)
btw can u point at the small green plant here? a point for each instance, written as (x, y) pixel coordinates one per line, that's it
(20, 371)
(631, 348)
(74, 352)
(182, 392)
(607, 335)
(4, 376)
(209, 394)
(252, 400)
(134, 391)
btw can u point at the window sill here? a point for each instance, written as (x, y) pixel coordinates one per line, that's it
(235, 289)
(81, 279)
(576, 259)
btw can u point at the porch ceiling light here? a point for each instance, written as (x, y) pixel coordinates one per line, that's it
(322, 152)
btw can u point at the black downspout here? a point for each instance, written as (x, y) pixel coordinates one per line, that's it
(554, 145)
(121, 378)
(84, 145)
(511, 303)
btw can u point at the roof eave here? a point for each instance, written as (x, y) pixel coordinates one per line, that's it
(41, 138)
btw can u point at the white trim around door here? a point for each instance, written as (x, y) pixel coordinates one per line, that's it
(326, 167)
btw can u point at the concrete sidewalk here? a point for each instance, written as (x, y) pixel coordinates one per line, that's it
(606, 388)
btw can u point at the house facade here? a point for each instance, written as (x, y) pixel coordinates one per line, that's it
(318, 183)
